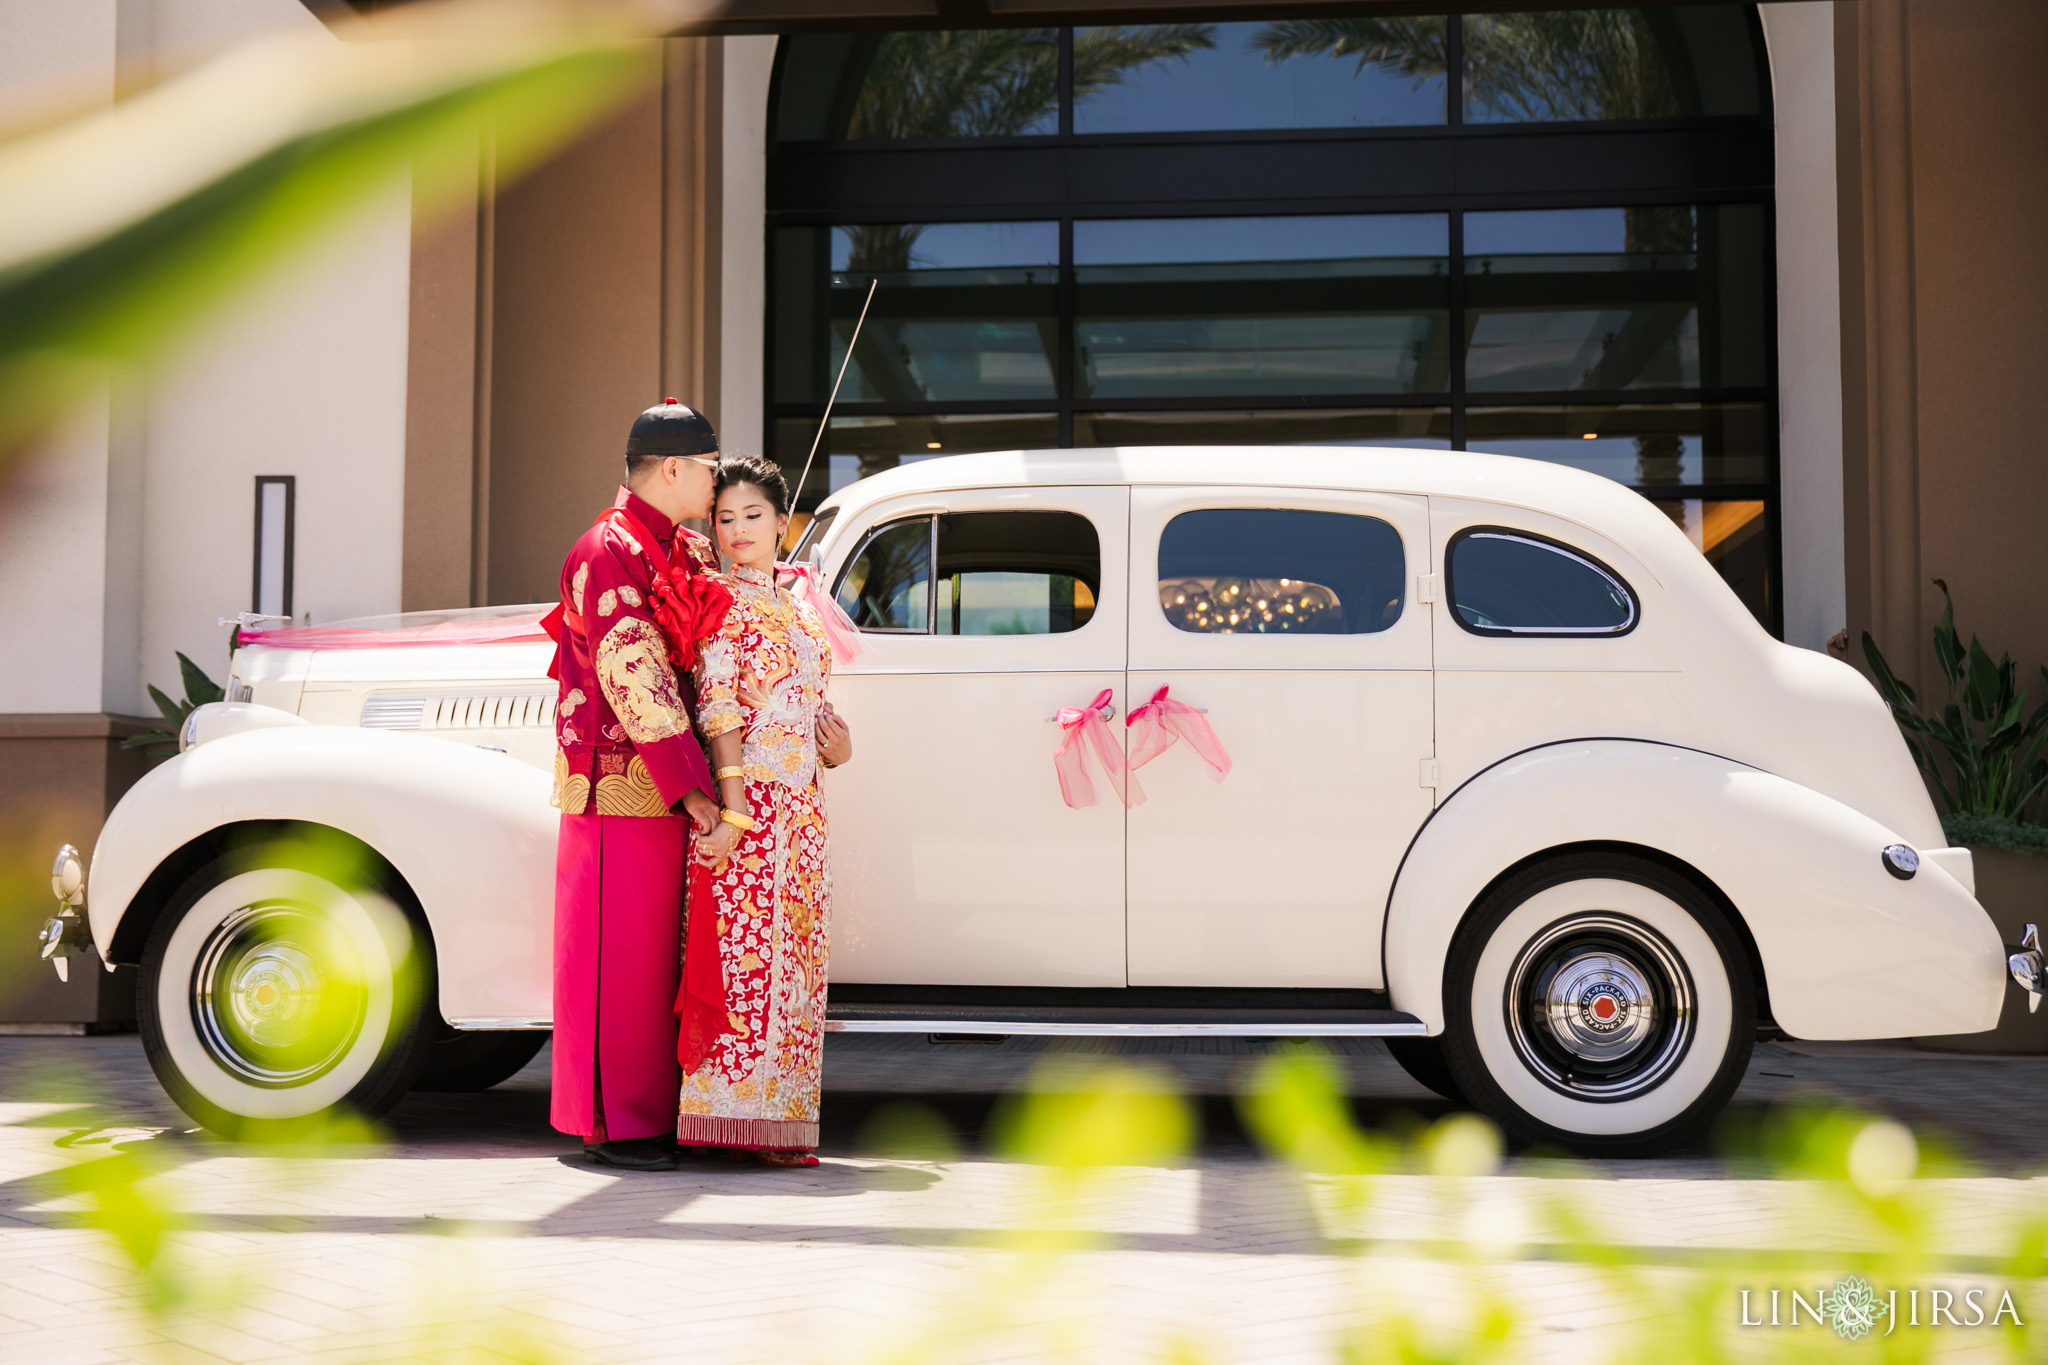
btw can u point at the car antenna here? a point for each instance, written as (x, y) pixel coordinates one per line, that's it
(846, 360)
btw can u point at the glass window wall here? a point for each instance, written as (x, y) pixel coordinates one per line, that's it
(1174, 78)
(961, 311)
(1571, 66)
(1421, 428)
(1614, 298)
(1304, 229)
(1643, 445)
(1242, 306)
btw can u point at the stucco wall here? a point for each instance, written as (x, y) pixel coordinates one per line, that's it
(53, 525)
(305, 378)
(1944, 165)
(132, 533)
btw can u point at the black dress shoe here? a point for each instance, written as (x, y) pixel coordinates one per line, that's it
(634, 1154)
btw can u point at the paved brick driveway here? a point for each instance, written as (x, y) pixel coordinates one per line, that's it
(477, 1234)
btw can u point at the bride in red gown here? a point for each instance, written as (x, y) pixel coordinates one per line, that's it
(754, 972)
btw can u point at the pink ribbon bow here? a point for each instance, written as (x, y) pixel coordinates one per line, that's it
(1085, 729)
(840, 631)
(1164, 721)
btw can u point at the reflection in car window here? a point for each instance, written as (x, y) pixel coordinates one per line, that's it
(999, 573)
(1016, 573)
(888, 585)
(1264, 571)
(1508, 583)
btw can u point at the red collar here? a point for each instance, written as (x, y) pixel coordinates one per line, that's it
(644, 513)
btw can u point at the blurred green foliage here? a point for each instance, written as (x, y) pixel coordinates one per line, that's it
(1443, 1276)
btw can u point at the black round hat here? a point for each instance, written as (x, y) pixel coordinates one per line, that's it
(671, 428)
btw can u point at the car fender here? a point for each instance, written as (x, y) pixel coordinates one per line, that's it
(470, 830)
(1848, 950)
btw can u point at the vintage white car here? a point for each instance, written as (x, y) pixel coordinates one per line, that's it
(1515, 783)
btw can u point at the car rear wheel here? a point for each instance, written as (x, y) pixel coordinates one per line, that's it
(278, 989)
(1598, 1002)
(468, 1062)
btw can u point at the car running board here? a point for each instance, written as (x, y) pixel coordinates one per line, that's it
(1126, 1022)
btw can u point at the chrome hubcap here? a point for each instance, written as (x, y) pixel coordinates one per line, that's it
(1600, 1007)
(264, 1007)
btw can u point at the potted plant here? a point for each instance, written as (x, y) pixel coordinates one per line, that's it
(1983, 756)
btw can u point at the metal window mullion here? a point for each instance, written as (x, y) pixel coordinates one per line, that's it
(1454, 70)
(1063, 383)
(1065, 126)
(1456, 323)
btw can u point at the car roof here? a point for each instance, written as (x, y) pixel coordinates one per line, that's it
(1539, 485)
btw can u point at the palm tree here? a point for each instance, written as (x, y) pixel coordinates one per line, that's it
(1547, 66)
(987, 83)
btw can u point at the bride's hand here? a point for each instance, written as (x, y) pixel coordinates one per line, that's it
(716, 847)
(835, 740)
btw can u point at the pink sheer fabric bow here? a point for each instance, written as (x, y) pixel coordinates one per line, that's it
(1161, 721)
(1086, 729)
(840, 631)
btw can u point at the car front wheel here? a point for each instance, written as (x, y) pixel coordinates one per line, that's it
(278, 988)
(1600, 1003)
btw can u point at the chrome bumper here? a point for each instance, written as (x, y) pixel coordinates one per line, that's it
(65, 934)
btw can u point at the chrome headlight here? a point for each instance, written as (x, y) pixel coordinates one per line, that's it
(67, 876)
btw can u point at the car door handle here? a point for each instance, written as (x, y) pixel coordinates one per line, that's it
(1108, 713)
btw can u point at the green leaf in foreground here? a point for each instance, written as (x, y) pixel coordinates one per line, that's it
(128, 226)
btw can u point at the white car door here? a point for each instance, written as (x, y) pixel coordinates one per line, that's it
(1289, 618)
(955, 859)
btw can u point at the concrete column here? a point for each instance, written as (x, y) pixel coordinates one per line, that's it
(743, 241)
(1800, 38)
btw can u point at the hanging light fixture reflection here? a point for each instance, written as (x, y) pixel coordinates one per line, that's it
(1228, 605)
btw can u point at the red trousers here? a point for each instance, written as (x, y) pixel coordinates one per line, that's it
(618, 952)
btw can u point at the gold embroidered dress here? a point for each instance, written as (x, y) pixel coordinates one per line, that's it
(754, 1082)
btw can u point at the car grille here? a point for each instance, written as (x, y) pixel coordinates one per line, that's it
(459, 711)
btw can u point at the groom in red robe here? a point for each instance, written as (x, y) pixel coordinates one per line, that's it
(639, 594)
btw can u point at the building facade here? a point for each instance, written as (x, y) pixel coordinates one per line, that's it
(1771, 264)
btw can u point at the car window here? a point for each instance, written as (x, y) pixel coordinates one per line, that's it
(1511, 583)
(1016, 573)
(998, 573)
(814, 534)
(888, 584)
(1268, 570)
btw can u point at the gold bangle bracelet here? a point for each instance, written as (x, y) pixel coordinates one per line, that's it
(724, 773)
(737, 821)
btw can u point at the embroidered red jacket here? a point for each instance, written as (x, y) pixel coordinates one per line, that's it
(626, 744)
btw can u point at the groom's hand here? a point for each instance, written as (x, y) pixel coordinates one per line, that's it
(702, 810)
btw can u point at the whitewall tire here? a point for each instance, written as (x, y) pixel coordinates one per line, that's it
(1599, 1002)
(272, 994)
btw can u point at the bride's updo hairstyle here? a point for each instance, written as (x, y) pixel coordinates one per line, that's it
(763, 473)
